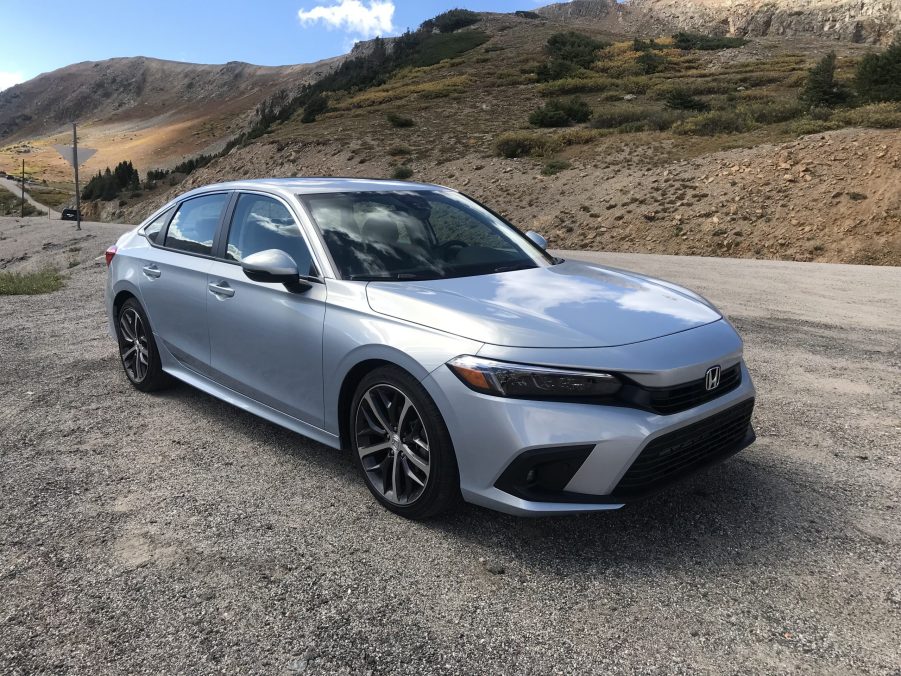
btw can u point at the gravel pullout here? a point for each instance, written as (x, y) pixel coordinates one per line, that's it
(176, 534)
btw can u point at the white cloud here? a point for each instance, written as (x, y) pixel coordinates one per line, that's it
(8, 79)
(364, 19)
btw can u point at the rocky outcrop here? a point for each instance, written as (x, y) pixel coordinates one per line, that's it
(870, 21)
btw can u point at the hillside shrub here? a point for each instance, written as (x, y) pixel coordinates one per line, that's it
(440, 46)
(525, 14)
(877, 115)
(578, 85)
(688, 41)
(574, 47)
(772, 112)
(556, 69)
(561, 113)
(616, 115)
(451, 20)
(715, 122)
(522, 143)
(402, 173)
(29, 283)
(680, 99)
(554, 167)
(399, 121)
(878, 76)
(651, 62)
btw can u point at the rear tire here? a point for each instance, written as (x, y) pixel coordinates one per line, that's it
(402, 445)
(137, 349)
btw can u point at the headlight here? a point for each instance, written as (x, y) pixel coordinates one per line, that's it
(504, 379)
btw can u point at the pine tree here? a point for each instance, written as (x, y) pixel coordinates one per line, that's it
(821, 88)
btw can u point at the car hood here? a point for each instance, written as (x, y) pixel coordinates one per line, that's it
(570, 304)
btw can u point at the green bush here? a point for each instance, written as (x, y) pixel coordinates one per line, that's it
(639, 45)
(575, 85)
(561, 113)
(397, 151)
(524, 14)
(556, 69)
(715, 122)
(554, 167)
(522, 143)
(402, 173)
(399, 121)
(771, 112)
(440, 46)
(574, 47)
(878, 76)
(651, 62)
(705, 42)
(451, 20)
(821, 88)
(878, 115)
(680, 99)
(617, 115)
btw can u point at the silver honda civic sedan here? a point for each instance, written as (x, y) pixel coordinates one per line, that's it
(450, 353)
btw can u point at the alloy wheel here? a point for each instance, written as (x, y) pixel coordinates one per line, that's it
(133, 345)
(393, 444)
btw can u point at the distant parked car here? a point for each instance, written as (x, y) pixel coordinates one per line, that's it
(447, 350)
(69, 215)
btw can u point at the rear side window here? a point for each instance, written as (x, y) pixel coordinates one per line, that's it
(153, 230)
(194, 225)
(260, 223)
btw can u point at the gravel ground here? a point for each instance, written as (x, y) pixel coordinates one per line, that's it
(177, 534)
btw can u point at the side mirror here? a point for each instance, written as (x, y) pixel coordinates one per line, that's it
(538, 239)
(274, 266)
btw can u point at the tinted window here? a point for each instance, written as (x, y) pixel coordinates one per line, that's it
(194, 225)
(152, 231)
(260, 223)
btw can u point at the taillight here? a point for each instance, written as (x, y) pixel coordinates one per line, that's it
(110, 253)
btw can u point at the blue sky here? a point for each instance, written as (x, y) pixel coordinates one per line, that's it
(42, 36)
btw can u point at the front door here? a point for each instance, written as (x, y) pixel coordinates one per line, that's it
(266, 341)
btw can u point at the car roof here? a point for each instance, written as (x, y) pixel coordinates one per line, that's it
(301, 186)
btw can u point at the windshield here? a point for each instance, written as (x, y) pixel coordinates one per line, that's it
(409, 235)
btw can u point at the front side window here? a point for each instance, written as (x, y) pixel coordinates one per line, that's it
(406, 235)
(260, 223)
(194, 225)
(153, 230)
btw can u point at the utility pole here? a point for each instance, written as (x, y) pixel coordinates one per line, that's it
(77, 189)
(22, 208)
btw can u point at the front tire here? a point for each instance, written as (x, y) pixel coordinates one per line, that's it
(137, 349)
(402, 445)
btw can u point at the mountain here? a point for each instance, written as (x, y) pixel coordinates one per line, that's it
(156, 109)
(867, 21)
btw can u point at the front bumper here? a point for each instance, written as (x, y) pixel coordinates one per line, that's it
(584, 450)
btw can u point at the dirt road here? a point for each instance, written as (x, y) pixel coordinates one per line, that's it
(16, 189)
(176, 534)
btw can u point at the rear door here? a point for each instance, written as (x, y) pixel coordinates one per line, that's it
(173, 278)
(266, 341)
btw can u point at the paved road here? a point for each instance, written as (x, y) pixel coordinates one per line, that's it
(15, 188)
(176, 534)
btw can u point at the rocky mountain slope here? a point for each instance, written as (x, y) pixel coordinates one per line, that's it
(871, 21)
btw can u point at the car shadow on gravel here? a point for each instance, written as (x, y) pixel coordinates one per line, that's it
(734, 512)
(742, 508)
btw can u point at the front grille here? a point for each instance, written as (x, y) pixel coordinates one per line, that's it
(668, 400)
(671, 456)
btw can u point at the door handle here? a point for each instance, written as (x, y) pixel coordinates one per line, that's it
(152, 271)
(222, 289)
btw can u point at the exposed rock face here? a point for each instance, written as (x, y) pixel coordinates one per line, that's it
(872, 21)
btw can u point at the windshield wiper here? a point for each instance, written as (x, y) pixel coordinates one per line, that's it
(396, 277)
(517, 266)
